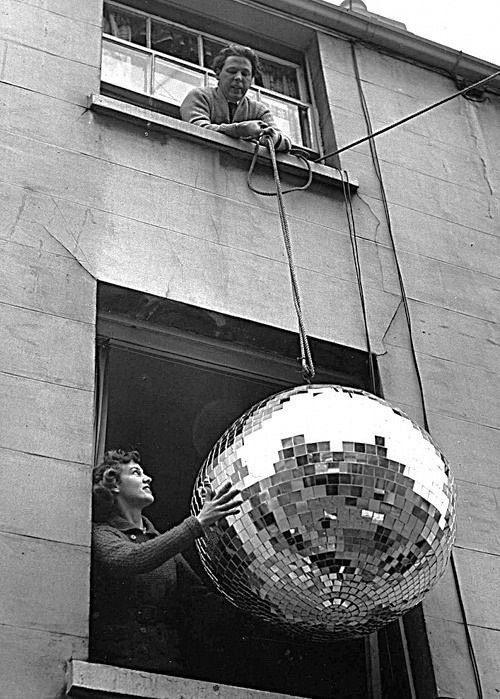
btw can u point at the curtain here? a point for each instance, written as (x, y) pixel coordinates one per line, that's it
(101, 400)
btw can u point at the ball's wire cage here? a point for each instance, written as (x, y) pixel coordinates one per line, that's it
(332, 541)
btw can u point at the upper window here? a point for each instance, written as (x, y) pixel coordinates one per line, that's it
(159, 60)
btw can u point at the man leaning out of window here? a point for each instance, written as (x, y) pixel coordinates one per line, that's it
(226, 108)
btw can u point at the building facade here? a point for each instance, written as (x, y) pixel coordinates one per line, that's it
(145, 297)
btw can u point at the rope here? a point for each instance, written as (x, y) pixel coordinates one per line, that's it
(305, 359)
(346, 190)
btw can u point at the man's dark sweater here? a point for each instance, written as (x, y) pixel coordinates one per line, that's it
(207, 107)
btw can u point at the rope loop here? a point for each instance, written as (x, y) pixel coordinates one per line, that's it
(293, 151)
(307, 371)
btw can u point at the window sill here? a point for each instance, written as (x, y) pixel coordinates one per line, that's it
(92, 680)
(213, 139)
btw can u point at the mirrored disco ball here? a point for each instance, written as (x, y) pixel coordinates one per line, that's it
(348, 512)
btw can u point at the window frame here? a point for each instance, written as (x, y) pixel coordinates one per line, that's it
(305, 105)
(180, 347)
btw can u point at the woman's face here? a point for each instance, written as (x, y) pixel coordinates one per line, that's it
(134, 486)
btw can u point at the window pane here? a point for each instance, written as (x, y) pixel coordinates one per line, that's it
(279, 78)
(286, 117)
(125, 25)
(172, 82)
(210, 50)
(174, 41)
(253, 94)
(125, 67)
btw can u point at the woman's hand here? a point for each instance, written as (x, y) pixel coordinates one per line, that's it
(224, 502)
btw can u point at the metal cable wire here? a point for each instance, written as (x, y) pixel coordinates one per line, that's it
(346, 190)
(306, 360)
(373, 134)
(378, 171)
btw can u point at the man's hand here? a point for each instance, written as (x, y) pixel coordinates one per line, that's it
(280, 142)
(252, 129)
(263, 132)
(256, 130)
(224, 502)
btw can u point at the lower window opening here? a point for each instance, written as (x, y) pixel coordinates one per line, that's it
(172, 409)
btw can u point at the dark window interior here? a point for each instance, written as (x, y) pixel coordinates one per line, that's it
(173, 413)
(172, 408)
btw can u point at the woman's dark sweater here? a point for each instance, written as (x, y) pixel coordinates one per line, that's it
(140, 581)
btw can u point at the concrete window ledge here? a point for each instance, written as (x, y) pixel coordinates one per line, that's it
(91, 680)
(157, 121)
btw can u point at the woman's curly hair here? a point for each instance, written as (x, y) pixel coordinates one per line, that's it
(234, 50)
(105, 477)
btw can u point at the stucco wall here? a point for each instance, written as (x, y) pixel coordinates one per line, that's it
(442, 184)
(47, 331)
(86, 197)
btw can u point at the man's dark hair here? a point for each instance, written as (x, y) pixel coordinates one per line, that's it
(234, 50)
(105, 477)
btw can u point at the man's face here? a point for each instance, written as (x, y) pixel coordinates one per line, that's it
(235, 78)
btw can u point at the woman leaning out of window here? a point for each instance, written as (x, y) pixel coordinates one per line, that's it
(139, 577)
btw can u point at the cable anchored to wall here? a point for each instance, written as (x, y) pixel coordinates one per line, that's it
(414, 115)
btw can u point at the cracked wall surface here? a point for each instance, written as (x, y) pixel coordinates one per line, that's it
(86, 198)
(47, 338)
